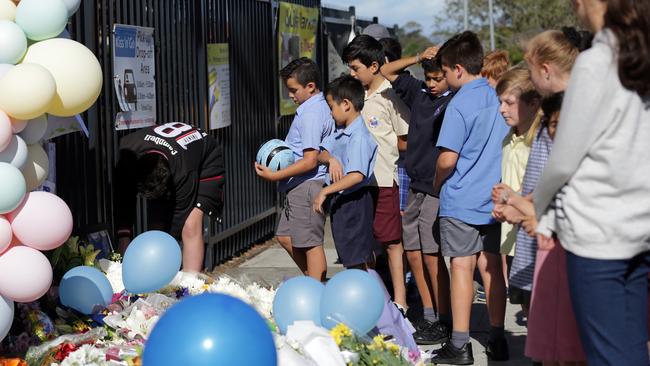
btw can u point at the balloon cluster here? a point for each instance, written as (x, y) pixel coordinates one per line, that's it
(40, 74)
(352, 297)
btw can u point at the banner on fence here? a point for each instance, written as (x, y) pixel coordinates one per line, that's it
(134, 76)
(218, 85)
(297, 28)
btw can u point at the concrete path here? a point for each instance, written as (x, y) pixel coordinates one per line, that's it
(273, 265)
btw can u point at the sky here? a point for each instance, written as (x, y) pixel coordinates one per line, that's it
(394, 12)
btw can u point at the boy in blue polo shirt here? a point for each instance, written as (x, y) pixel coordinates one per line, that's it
(301, 230)
(350, 152)
(468, 165)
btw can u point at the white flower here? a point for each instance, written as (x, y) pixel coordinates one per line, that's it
(258, 297)
(86, 355)
(113, 272)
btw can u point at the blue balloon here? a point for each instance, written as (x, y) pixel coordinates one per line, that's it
(275, 155)
(352, 297)
(210, 329)
(82, 288)
(297, 299)
(151, 261)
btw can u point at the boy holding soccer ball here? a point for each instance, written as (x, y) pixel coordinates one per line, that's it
(301, 230)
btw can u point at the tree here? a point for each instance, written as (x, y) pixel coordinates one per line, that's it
(411, 38)
(515, 21)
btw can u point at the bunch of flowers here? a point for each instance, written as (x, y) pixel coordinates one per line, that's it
(375, 352)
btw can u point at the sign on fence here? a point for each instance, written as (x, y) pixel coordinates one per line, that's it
(297, 28)
(134, 76)
(218, 85)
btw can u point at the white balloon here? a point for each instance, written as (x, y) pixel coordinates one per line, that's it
(4, 68)
(7, 12)
(6, 316)
(35, 130)
(13, 42)
(37, 167)
(16, 153)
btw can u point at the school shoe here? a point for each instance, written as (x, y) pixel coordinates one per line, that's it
(480, 295)
(430, 333)
(497, 350)
(450, 355)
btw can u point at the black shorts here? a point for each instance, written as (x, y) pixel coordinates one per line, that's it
(352, 218)
(209, 198)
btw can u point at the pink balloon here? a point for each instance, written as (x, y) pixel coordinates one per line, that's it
(5, 234)
(43, 221)
(26, 274)
(6, 131)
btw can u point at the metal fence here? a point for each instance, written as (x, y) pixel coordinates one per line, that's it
(182, 30)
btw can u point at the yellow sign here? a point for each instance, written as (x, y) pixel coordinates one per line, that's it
(297, 27)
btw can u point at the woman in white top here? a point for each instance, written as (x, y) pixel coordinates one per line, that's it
(594, 193)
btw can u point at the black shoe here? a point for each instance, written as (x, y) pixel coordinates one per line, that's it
(451, 355)
(497, 350)
(429, 333)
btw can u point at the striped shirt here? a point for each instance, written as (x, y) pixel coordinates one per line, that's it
(523, 264)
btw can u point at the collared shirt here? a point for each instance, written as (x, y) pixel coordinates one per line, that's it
(513, 168)
(473, 128)
(355, 149)
(312, 123)
(386, 117)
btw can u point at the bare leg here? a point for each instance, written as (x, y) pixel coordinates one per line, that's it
(298, 256)
(396, 265)
(489, 265)
(504, 265)
(439, 280)
(416, 264)
(462, 291)
(315, 259)
(193, 245)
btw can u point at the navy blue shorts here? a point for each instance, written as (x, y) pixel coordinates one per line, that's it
(352, 218)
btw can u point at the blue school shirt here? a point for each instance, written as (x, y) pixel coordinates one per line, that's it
(356, 150)
(312, 123)
(474, 128)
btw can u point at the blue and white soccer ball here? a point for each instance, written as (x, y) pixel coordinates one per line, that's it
(275, 155)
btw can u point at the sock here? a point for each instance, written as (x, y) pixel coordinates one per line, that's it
(496, 333)
(445, 319)
(430, 315)
(459, 339)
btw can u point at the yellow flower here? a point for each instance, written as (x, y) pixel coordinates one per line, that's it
(393, 348)
(339, 332)
(378, 342)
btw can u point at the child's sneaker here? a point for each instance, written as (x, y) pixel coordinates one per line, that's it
(480, 295)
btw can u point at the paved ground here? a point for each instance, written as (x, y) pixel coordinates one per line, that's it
(272, 265)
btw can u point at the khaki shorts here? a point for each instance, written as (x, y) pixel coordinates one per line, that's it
(298, 219)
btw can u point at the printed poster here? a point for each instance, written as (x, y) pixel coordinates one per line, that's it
(134, 76)
(297, 27)
(218, 85)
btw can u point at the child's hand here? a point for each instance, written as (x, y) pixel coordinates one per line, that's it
(501, 192)
(318, 202)
(507, 213)
(544, 242)
(335, 170)
(529, 224)
(265, 172)
(429, 54)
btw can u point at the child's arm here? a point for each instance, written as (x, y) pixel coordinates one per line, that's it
(348, 181)
(334, 166)
(308, 163)
(444, 167)
(391, 70)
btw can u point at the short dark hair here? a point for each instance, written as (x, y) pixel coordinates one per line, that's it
(392, 49)
(365, 49)
(430, 66)
(304, 70)
(347, 87)
(153, 176)
(552, 104)
(463, 49)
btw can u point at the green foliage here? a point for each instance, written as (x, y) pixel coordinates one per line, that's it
(412, 40)
(71, 254)
(515, 21)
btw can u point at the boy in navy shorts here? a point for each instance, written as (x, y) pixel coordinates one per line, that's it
(352, 147)
(301, 230)
(468, 166)
(428, 100)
